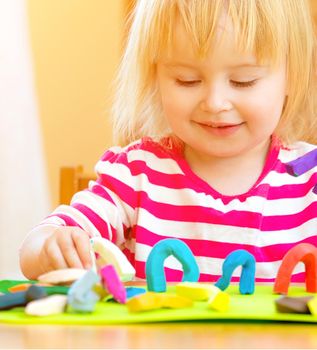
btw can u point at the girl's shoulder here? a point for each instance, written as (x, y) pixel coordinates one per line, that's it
(296, 150)
(143, 149)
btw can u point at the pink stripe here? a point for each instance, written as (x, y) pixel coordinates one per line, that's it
(68, 220)
(231, 218)
(293, 190)
(96, 220)
(126, 193)
(130, 256)
(212, 249)
(285, 222)
(102, 192)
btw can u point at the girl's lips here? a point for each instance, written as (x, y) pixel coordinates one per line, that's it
(221, 129)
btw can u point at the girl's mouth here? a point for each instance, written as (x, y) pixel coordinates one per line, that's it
(221, 129)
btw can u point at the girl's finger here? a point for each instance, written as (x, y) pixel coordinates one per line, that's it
(54, 255)
(69, 251)
(82, 244)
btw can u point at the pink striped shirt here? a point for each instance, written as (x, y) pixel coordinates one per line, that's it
(146, 192)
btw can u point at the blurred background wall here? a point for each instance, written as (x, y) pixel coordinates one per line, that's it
(76, 46)
(57, 62)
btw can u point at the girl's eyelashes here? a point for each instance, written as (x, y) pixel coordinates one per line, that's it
(235, 83)
(243, 84)
(187, 82)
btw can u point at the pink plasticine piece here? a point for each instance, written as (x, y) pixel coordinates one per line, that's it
(113, 284)
(305, 252)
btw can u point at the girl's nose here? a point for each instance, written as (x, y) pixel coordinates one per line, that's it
(215, 100)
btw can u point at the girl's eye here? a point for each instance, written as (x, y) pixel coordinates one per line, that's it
(243, 84)
(187, 82)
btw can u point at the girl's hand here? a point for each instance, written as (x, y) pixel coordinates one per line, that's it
(66, 247)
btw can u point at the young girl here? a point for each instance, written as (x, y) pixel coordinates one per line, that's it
(212, 97)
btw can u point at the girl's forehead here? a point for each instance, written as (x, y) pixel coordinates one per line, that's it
(222, 46)
(187, 33)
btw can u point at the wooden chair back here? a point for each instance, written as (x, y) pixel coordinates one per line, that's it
(72, 180)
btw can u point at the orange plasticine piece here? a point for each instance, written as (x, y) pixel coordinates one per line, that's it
(24, 286)
(306, 253)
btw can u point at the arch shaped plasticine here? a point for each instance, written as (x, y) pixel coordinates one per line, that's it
(155, 275)
(306, 253)
(239, 257)
(111, 254)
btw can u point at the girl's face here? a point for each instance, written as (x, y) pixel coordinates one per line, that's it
(223, 105)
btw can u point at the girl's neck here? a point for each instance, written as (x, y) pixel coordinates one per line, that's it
(230, 175)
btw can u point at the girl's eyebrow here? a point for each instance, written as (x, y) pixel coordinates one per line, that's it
(233, 66)
(179, 64)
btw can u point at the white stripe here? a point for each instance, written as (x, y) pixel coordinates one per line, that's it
(279, 179)
(226, 234)
(153, 162)
(297, 149)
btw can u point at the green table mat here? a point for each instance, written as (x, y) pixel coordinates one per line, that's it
(256, 307)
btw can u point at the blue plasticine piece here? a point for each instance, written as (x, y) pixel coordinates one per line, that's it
(133, 291)
(154, 268)
(302, 164)
(11, 300)
(247, 278)
(81, 296)
(35, 292)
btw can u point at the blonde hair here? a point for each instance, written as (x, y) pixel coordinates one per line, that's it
(273, 29)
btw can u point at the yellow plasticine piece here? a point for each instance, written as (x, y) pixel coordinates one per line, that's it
(144, 302)
(220, 301)
(195, 290)
(312, 305)
(99, 289)
(175, 301)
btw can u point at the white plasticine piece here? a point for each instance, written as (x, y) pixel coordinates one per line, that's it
(111, 254)
(214, 290)
(62, 276)
(51, 305)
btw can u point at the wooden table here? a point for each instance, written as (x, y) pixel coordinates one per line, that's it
(183, 335)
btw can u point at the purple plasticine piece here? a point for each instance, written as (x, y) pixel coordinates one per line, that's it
(302, 164)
